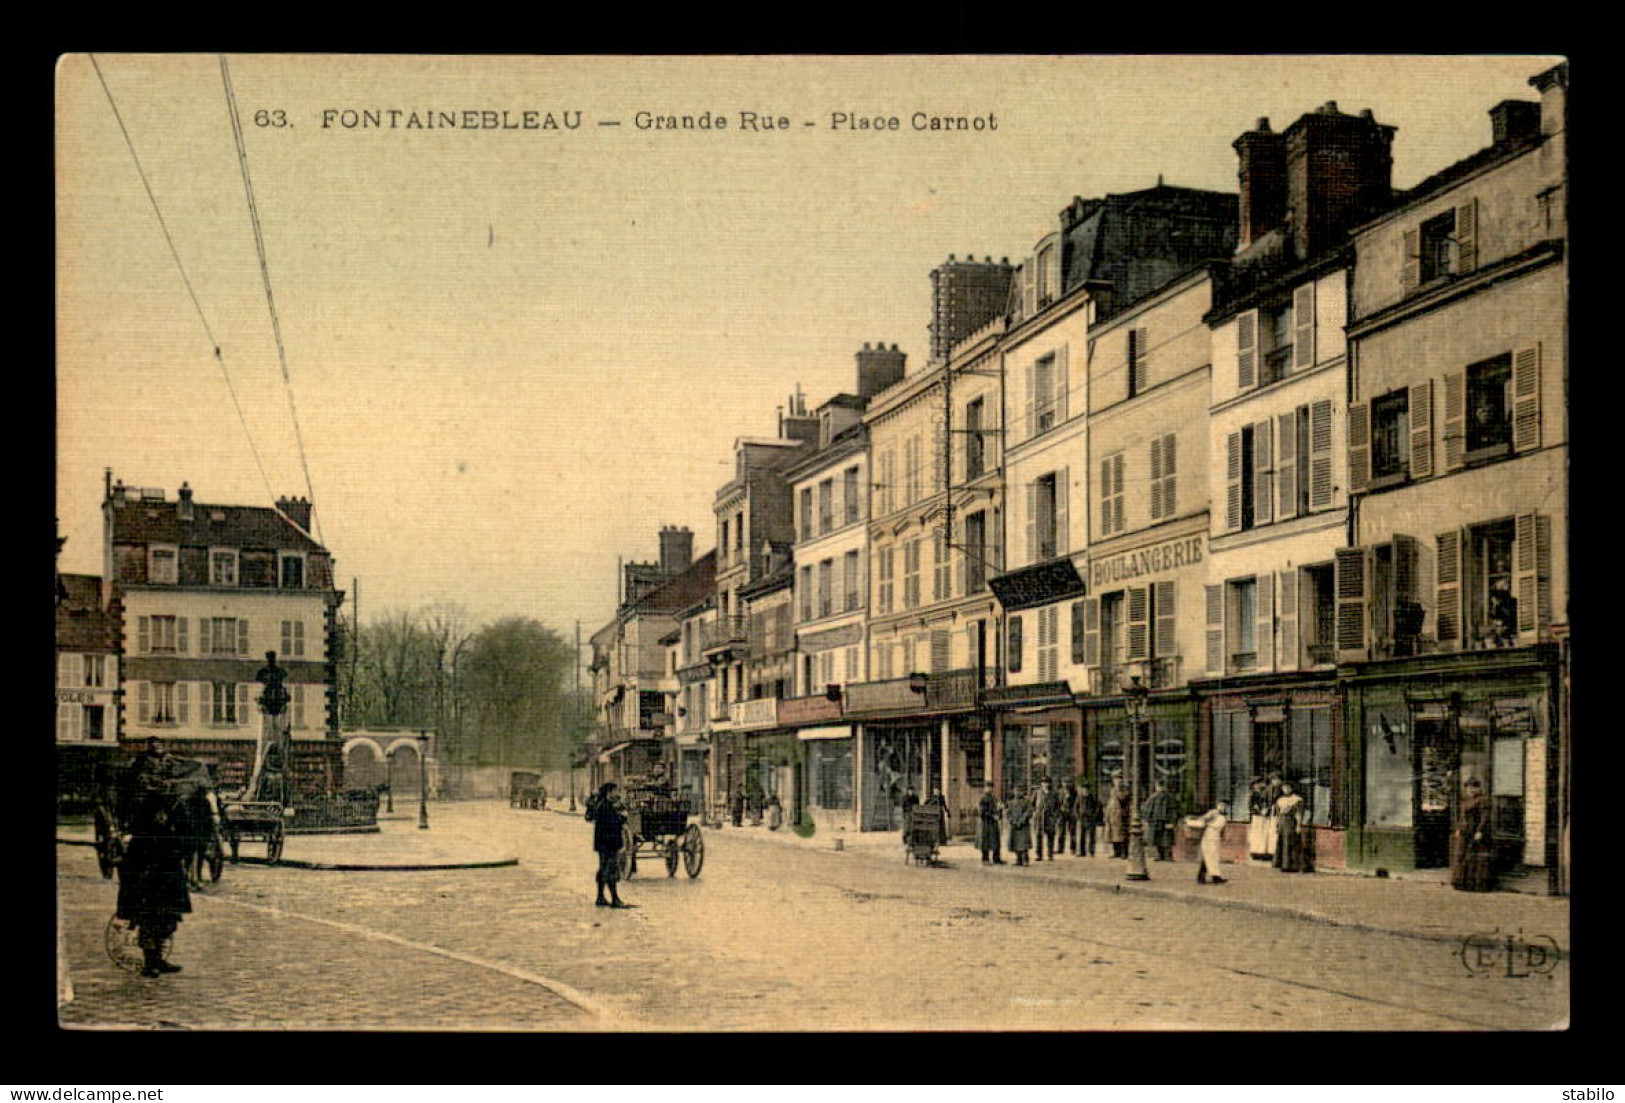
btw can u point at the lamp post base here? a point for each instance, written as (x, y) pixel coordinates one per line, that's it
(1136, 856)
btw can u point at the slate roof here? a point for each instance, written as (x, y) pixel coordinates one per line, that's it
(149, 522)
(81, 623)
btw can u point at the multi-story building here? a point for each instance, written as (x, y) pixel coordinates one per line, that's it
(696, 690)
(87, 682)
(1276, 474)
(1456, 586)
(198, 594)
(1103, 354)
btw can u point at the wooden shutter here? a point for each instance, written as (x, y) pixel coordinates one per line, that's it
(181, 702)
(242, 703)
(1232, 482)
(1169, 469)
(144, 634)
(1091, 631)
(1106, 496)
(1247, 350)
(1077, 631)
(180, 635)
(1139, 623)
(1032, 521)
(1156, 478)
(1467, 236)
(1166, 642)
(242, 637)
(1286, 467)
(1531, 574)
(1455, 420)
(1411, 262)
(1138, 344)
(1059, 384)
(1526, 398)
(1063, 535)
(299, 638)
(204, 644)
(1359, 446)
(1264, 637)
(1420, 411)
(1215, 629)
(1049, 637)
(1032, 401)
(1015, 645)
(1320, 454)
(1447, 587)
(1263, 473)
(939, 652)
(1303, 326)
(1351, 595)
(143, 698)
(1286, 657)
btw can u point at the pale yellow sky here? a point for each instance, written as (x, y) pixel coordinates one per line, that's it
(518, 353)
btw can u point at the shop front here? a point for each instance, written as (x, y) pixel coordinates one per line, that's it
(1422, 728)
(829, 753)
(918, 734)
(1037, 735)
(1290, 727)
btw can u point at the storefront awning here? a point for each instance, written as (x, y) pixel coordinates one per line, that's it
(831, 731)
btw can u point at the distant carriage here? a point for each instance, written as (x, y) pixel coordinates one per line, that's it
(525, 790)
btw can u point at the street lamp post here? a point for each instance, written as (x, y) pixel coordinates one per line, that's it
(1135, 695)
(423, 781)
(389, 781)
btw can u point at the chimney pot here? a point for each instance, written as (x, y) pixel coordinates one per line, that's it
(1263, 124)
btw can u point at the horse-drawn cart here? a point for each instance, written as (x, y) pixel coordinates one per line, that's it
(525, 790)
(255, 820)
(657, 826)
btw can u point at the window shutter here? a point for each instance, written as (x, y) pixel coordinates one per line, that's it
(1467, 236)
(1526, 398)
(1411, 262)
(1407, 562)
(204, 646)
(1032, 401)
(144, 701)
(287, 637)
(1106, 496)
(242, 637)
(1169, 498)
(1303, 326)
(66, 670)
(1447, 587)
(64, 723)
(1420, 412)
(1359, 446)
(1286, 469)
(1165, 645)
(1048, 637)
(1156, 478)
(1215, 629)
(939, 652)
(1320, 455)
(1264, 637)
(1142, 370)
(1032, 522)
(1060, 378)
(1350, 588)
(1232, 478)
(1531, 575)
(1091, 631)
(1015, 645)
(180, 635)
(1455, 420)
(1263, 473)
(181, 702)
(1139, 626)
(1247, 350)
(1063, 537)
(242, 703)
(1077, 632)
(144, 635)
(1286, 657)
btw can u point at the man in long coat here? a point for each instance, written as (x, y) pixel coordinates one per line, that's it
(608, 824)
(1020, 814)
(1117, 817)
(1047, 816)
(1069, 817)
(1089, 815)
(152, 893)
(1159, 812)
(1472, 843)
(987, 811)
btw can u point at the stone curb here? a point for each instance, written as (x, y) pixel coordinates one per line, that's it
(348, 867)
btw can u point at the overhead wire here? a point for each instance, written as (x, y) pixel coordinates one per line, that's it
(174, 252)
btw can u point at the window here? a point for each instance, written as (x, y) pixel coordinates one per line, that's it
(1318, 613)
(739, 535)
(162, 635)
(884, 566)
(293, 571)
(807, 513)
(853, 578)
(1275, 339)
(911, 470)
(1113, 640)
(1044, 412)
(1492, 602)
(95, 667)
(1112, 507)
(1489, 407)
(1047, 535)
(722, 544)
(886, 481)
(975, 446)
(161, 565)
(223, 703)
(293, 638)
(93, 718)
(224, 636)
(1390, 436)
(975, 552)
(223, 567)
(911, 573)
(831, 766)
(826, 587)
(942, 582)
(850, 495)
(1138, 375)
(161, 703)
(1241, 623)
(807, 593)
(1163, 464)
(826, 505)
(1014, 646)
(1437, 241)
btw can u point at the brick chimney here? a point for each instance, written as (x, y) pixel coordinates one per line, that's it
(1262, 169)
(676, 549)
(879, 368)
(1514, 121)
(1553, 86)
(296, 508)
(1339, 171)
(183, 503)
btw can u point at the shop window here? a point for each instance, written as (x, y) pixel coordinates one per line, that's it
(1389, 768)
(1390, 433)
(832, 773)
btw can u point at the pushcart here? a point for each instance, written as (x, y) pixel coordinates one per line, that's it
(924, 836)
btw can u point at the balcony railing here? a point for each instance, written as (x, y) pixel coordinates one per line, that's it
(1158, 673)
(1162, 673)
(725, 632)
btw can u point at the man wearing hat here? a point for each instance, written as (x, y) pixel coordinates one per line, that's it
(152, 893)
(608, 828)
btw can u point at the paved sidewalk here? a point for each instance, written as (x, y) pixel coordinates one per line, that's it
(1412, 908)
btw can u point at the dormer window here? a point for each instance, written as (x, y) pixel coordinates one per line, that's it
(222, 566)
(162, 560)
(291, 572)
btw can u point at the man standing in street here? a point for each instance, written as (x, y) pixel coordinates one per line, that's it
(1088, 820)
(1069, 817)
(608, 824)
(152, 894)
(1159, 812)
(1049, 819)
(987, 810)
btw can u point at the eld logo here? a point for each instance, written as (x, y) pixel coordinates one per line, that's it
(1493, 954)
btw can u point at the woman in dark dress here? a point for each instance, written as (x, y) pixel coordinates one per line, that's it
(1470, 846)
(1292, 832)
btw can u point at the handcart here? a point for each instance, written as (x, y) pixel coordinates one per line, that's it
(924, 836)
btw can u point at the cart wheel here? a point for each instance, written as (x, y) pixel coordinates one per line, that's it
(671, 857)
(124, 950)
(693, 850)
(273, 845)
(216, 858)
(108, 849)
(629, 853)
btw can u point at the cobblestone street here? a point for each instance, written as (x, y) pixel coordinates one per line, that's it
(769, 937)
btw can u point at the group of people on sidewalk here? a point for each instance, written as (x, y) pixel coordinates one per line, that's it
(1278, 830)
